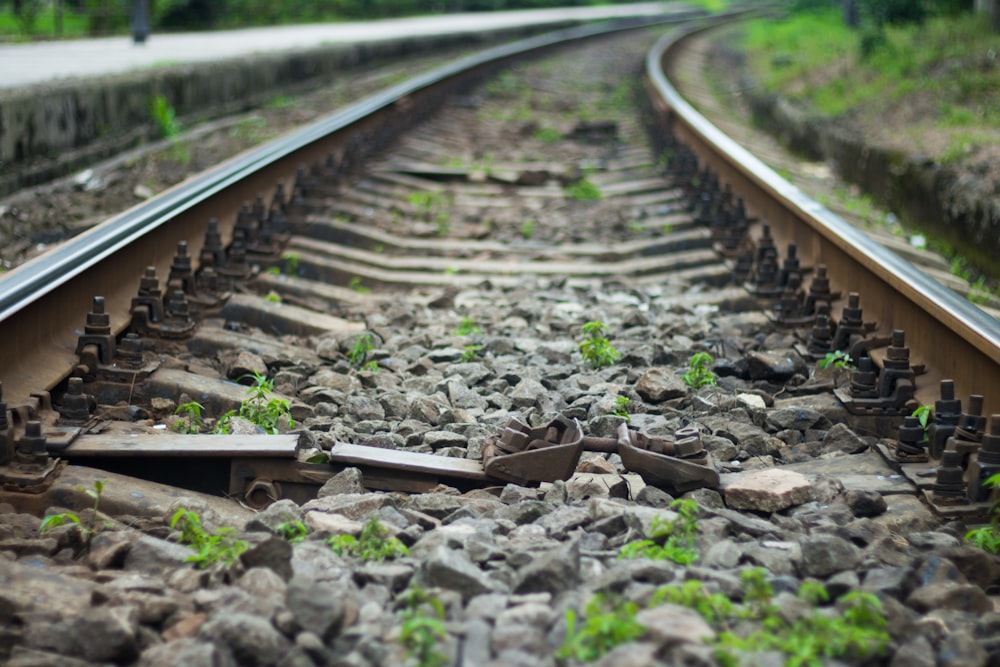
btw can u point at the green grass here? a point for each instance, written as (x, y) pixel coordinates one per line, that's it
(813, 57)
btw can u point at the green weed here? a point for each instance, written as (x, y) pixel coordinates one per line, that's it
(292, 261)
(527, 229)
(606, 623)
(56, 520)
(272, 297)
(358, 353)
(987, 538)
(669, 540)
(467, 327)
(192, 421)
(595, 348)
(293, 531)
(470, 353)
(836, 359)
(210, 548)
(699, 373)
(355, 285)
(583, 190)
(549, 135)
(423, 628)
(374, 543)
(621, 408)
(260, 408)
(165, 117)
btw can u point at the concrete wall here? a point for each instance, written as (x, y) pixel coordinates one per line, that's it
(50, 131)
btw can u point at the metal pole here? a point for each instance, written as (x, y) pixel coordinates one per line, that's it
(140, 21)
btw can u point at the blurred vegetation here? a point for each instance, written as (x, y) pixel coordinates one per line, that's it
(29, 19)
(948, 55)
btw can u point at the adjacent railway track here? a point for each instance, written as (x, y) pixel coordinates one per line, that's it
(305, 228)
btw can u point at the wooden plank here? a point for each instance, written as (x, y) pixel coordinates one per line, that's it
(376, 457)
(176, 445)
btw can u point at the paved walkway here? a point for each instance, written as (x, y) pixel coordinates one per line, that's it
(23, 65)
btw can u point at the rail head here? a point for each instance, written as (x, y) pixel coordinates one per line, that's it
(973, 325)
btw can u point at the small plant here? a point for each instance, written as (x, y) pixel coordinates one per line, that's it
(923, 415)
(273, 271)
(699, 372)
(260, 408)
(165, 117)
(669, 540)
(606, 623)
(210, 548)
(583, 190)
(987, 538)
(621, 408)
(527, 229)
(595, 348)
(423, 628)
(192, 422)
(836, 359)
(470, 353)
(293, 531)
(715, 608)
(272, 297)
(549, 135)
(358, 353)
(374, 543)
(56, 520)
(292, 260)
(371, 367)
(467, 327)
(355, 285)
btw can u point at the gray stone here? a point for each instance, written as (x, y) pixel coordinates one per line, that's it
(252, 640)
(562, 520)
(887, 580)
(188, 652)
(632, 654)
(272, 516)
(671, 624)
(658, 384)
(274, 553)
(426, 410)
(841, 438)
(454, 571)
(752, 439)
(916, 651)
(394, 576)
(960, 649)
(526, 393)
(266, 588)
(797, 418)
(775, 365)
(363, 407)
(357, 506)
(823, 555)
(584, 486)
(768, 490)
(950, 595)
(652, 496)
(865, 503)
(723, 554)
(319, 607)
(152, 555)
(106, 634)
(108, 549)
(347, 481)
(553, 571)
(442, 439)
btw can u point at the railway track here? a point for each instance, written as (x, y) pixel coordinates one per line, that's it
(385, 301)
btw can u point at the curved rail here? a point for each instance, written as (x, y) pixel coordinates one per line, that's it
(39, 343)
(954, 338)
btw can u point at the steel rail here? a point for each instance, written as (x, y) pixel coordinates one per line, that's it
(44, 303)
(954, 338)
